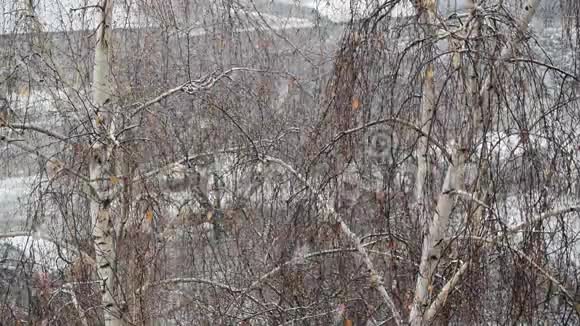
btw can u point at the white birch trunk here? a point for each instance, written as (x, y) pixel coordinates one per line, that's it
(100, 210)
(423, 311)
(434, 240)
(428, 18)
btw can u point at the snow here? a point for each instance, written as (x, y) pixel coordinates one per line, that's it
(518, 208)
(505, 146)
(340, 11)
(37, 100)
(43, 254)
(274, 22)
(46, 107)
(260, 21)
(13, 194)
(66, 15)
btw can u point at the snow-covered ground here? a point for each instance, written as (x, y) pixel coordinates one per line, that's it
(14, 193)
(342, 11)
(558, 231)
(43, 255)
(67, 15)
(81, 15)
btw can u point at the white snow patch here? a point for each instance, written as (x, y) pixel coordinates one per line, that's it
(504, 146)
(69, 15)
(13, 195)
(256, 21)
(340, 11)
(81, 15)
(43, 254)
(519, 208)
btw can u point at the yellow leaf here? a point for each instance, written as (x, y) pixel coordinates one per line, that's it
(374, 280)
(23, 91)
(355, 103)
(347, 322)
(149, 215)
(430, 73)
(114, 180)
(456, 60)
(53, 167)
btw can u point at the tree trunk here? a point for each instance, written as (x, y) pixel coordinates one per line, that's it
(423, 310)
(428, 100)
(433, 243)
(100, 162)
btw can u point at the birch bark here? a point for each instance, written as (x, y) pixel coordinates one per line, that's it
(422, 310)
(434, 240)
(100, 163)
(428, 101)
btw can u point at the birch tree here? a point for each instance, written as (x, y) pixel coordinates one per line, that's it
(257, 163)
(102, 168)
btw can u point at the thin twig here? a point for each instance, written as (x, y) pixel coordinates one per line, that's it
(185, 280)
(86, 181)
(40, 130)
(330, 214)
(204, 83)
(541, 217)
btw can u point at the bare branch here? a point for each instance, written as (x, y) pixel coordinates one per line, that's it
(92, 192)
(40, 130)
(68, 288)
(441, 298)
(39, 235)
(546, 65)
(185, 280)
(407, 124)
(471, 197)
(541, 217)
(191, 158)
(190, 87)
(329, 214)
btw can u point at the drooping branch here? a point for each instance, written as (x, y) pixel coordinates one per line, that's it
(394, 121)
(329, 214)
(435, 238)
(545, 65)
(523, 255)
(506, 52)
(56, 165)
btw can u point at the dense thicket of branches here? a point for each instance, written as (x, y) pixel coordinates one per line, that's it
(255, 163)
